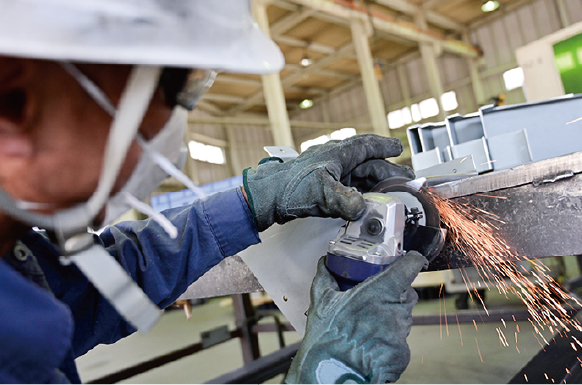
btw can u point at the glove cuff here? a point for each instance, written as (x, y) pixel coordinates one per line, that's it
(249, 194)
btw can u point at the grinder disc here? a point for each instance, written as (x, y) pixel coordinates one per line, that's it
(398, 184)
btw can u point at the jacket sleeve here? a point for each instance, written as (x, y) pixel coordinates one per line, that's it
(209, 230)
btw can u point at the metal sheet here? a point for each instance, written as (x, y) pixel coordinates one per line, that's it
(285, 262)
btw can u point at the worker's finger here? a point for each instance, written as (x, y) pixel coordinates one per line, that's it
(368, 174)
(393, 282)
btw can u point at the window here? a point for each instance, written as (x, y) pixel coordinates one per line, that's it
(206, 153)
(336, 135)
(428, 108)
(319, 140)
(449, 101)
(395, 119)
(343, 133)
(513, 78)
(406, 115)
(415, 113)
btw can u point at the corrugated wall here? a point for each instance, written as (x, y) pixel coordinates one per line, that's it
(498, 37)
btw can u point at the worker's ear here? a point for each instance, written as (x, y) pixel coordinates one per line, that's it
(15, 107)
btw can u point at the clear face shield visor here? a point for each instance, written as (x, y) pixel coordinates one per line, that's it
(184, 87)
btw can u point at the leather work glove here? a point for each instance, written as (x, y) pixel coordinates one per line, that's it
(358, 336)
(323, 181)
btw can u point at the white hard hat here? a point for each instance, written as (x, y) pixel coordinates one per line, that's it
(213, 34)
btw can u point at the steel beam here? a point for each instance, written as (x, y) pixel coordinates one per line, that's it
(273, 90)
(539, 206)
(348, 10)
(374, 98)
(432, 17)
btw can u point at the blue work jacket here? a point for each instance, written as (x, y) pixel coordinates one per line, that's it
(50, 314)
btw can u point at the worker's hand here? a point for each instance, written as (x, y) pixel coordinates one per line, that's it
(323, 181)
(358, 336)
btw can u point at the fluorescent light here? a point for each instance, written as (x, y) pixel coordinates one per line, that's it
(306, 61)
(306, 103)
(489, 6)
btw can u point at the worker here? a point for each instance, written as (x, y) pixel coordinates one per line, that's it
(93, 99)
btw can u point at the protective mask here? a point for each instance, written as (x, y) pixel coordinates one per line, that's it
(148, 174)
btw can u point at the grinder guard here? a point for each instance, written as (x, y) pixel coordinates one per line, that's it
(398, 219)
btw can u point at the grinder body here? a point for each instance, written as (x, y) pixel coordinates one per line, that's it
(397, 220)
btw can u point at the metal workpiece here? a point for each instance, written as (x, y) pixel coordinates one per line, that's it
(230, 276)
(538, 208)
(513, 177)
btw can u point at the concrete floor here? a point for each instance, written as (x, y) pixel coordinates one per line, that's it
(440, 354)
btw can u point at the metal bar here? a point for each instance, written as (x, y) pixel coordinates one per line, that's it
(513, 177)
(153, 363)
(261, 369)
(245, 319)
(556, 363)
(477, 316)
(285, 326)
(371, 86)
(347, 10)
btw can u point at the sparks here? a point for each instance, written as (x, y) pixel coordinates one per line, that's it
(474, 233)
(479, 350)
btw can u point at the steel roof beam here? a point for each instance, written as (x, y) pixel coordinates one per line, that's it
(347, 10)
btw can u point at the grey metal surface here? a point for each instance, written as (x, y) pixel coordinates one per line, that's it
(449, 171)
(513, 177)
(478, 149)
(231, 276)
(546, 124)
(414, 139)
(435, 135)
(426, 159)
(463, 129)
(536, 221)
(509, 150)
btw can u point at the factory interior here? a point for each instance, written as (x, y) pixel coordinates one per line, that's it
(486, 98)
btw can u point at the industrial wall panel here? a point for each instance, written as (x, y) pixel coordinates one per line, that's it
(452, 68)
(575, 10)
(546, 16)
(417, 77)
(513, 28)
(493, 85)
(391, 88)
(485, 41)
(503, 52)
(208, 172)
(526, 17)
(359, 101)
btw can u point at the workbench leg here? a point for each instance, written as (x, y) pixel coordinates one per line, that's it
(245, 319)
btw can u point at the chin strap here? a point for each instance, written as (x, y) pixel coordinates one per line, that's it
(111, 280)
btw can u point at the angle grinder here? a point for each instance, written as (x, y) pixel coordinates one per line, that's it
(398, 218)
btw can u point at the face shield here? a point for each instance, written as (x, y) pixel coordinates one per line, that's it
(165, 154)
